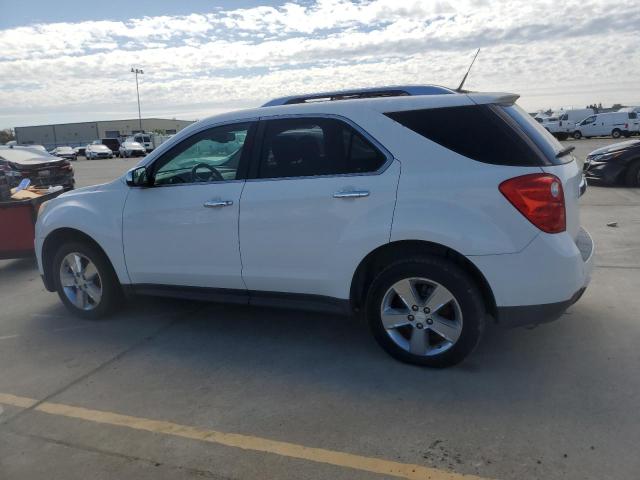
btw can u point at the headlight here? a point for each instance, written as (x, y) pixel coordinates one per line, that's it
(603, 157)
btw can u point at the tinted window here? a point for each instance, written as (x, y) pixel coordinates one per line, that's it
(633, 115)
(212, 155)
(481, 132)
(315, 146)
(588, 120)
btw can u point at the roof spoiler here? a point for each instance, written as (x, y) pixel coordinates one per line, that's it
(508, 99)
(505, 99)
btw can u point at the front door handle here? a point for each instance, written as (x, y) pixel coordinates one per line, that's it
(217, 203)
(352, 194)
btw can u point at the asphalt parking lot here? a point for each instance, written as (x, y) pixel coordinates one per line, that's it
(177, 389)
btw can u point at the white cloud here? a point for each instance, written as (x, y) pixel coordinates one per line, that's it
(574, 52)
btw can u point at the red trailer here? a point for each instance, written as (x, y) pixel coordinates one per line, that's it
(17, 225)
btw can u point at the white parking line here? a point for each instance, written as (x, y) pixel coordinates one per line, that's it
(7, 337)
(75, 327)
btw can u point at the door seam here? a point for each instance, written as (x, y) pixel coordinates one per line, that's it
(244, 184)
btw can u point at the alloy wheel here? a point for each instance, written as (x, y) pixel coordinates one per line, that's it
(80, 281)
(421, 316)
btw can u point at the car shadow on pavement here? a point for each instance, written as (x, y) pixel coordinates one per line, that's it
(13, 266)
(254, 352)
(205, 340)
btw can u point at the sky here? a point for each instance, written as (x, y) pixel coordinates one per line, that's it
(70, 61)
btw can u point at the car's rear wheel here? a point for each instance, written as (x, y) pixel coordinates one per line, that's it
(85, 280)
(577, 134)
(615, 133)
(426, 311)
(632, 176)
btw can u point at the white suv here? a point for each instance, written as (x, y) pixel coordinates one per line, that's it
(368, 201)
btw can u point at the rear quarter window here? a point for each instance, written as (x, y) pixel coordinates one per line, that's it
(481, 132)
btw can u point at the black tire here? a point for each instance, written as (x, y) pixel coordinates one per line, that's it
(632, 175)
(112, 295)
(615, 133)
(562, 136)
(577, 134)
(447, 274)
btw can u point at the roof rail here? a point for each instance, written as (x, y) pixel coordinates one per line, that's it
(375, 92)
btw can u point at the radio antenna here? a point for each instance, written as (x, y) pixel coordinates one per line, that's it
(464, 79)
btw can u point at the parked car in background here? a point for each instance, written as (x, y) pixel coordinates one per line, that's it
(130, 148)
(550, 124)
(97, 150)
(41, 168)
(80, 151)
(112, 143)
(65, 152)
(32, 146)
(143, 139)
(615, 164)
(615, 124)
(349, 203)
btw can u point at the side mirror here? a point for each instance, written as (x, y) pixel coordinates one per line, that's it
(137, 177)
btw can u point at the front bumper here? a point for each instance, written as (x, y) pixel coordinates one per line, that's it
(539, 283)
(607, 172)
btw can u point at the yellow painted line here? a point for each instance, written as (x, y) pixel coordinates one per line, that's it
(15, 401)
(244, 442)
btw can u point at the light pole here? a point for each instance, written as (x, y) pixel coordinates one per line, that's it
(138, 71)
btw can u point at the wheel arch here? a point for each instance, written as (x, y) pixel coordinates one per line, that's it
(53, 241)
(377, 259)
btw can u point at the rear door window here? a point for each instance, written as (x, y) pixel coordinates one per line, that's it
(307, 147)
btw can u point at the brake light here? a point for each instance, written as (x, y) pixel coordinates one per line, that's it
(540, 198)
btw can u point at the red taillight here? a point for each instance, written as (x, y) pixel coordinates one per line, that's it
(540, 198)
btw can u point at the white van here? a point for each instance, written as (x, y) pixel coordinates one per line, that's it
(563, 122)
(615, 124)
(143, 139)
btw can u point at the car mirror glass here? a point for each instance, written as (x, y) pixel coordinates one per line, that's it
(137, 177)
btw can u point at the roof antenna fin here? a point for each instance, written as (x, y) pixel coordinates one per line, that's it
(464, 79)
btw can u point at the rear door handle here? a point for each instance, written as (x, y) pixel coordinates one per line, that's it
(352, 194)
(217, 203)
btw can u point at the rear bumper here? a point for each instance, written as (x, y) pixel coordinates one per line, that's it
(526, 315)
(539, 283)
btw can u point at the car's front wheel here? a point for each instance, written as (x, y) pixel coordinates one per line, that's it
(426, 311)
(85, 280)
(577, 134)
(615, 133)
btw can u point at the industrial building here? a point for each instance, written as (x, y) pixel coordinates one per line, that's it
(79, 134)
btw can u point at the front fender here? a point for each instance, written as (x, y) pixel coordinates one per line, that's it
(95, 212)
